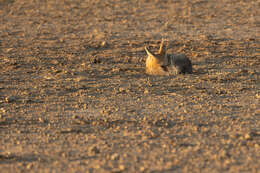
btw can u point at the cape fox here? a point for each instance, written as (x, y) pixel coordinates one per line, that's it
(163, 64)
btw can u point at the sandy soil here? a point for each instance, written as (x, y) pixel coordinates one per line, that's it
(74, 96)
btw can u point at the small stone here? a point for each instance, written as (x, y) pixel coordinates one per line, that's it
(104, 44)
(29, 166)
(11, 99)
(118, 169)
(248, 136)
(115, 156)
(96, 61)
(93, 150)
(74, 117)
(2, 110)
(41, 120)
(121, 89)
(63, 154)
(97, 166)
(142, 168)
(121, 167)
(116, 69)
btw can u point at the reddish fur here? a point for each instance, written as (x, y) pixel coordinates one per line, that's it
(155, 62)
(153, 67)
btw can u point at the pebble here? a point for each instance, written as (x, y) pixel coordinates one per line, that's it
(104, 44)
(93, 150)
(248, 136)
(146, 91)
(2, 110)
(11, 99)
(115, 156)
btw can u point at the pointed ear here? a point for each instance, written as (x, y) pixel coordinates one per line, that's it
(148, 52)
(162, 49)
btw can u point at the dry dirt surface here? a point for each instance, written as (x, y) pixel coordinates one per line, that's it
(74, 96)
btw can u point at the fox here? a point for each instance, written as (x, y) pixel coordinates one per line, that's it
(161, 63)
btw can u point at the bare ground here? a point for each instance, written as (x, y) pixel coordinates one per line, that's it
(74, 96)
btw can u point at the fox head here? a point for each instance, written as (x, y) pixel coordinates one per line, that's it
(156, 62)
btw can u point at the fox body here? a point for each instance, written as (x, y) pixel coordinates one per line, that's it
(163, 64)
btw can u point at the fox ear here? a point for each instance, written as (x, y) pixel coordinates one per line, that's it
(162, 49)
(148, 52)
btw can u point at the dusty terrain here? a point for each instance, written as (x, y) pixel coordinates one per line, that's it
(74, 96)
